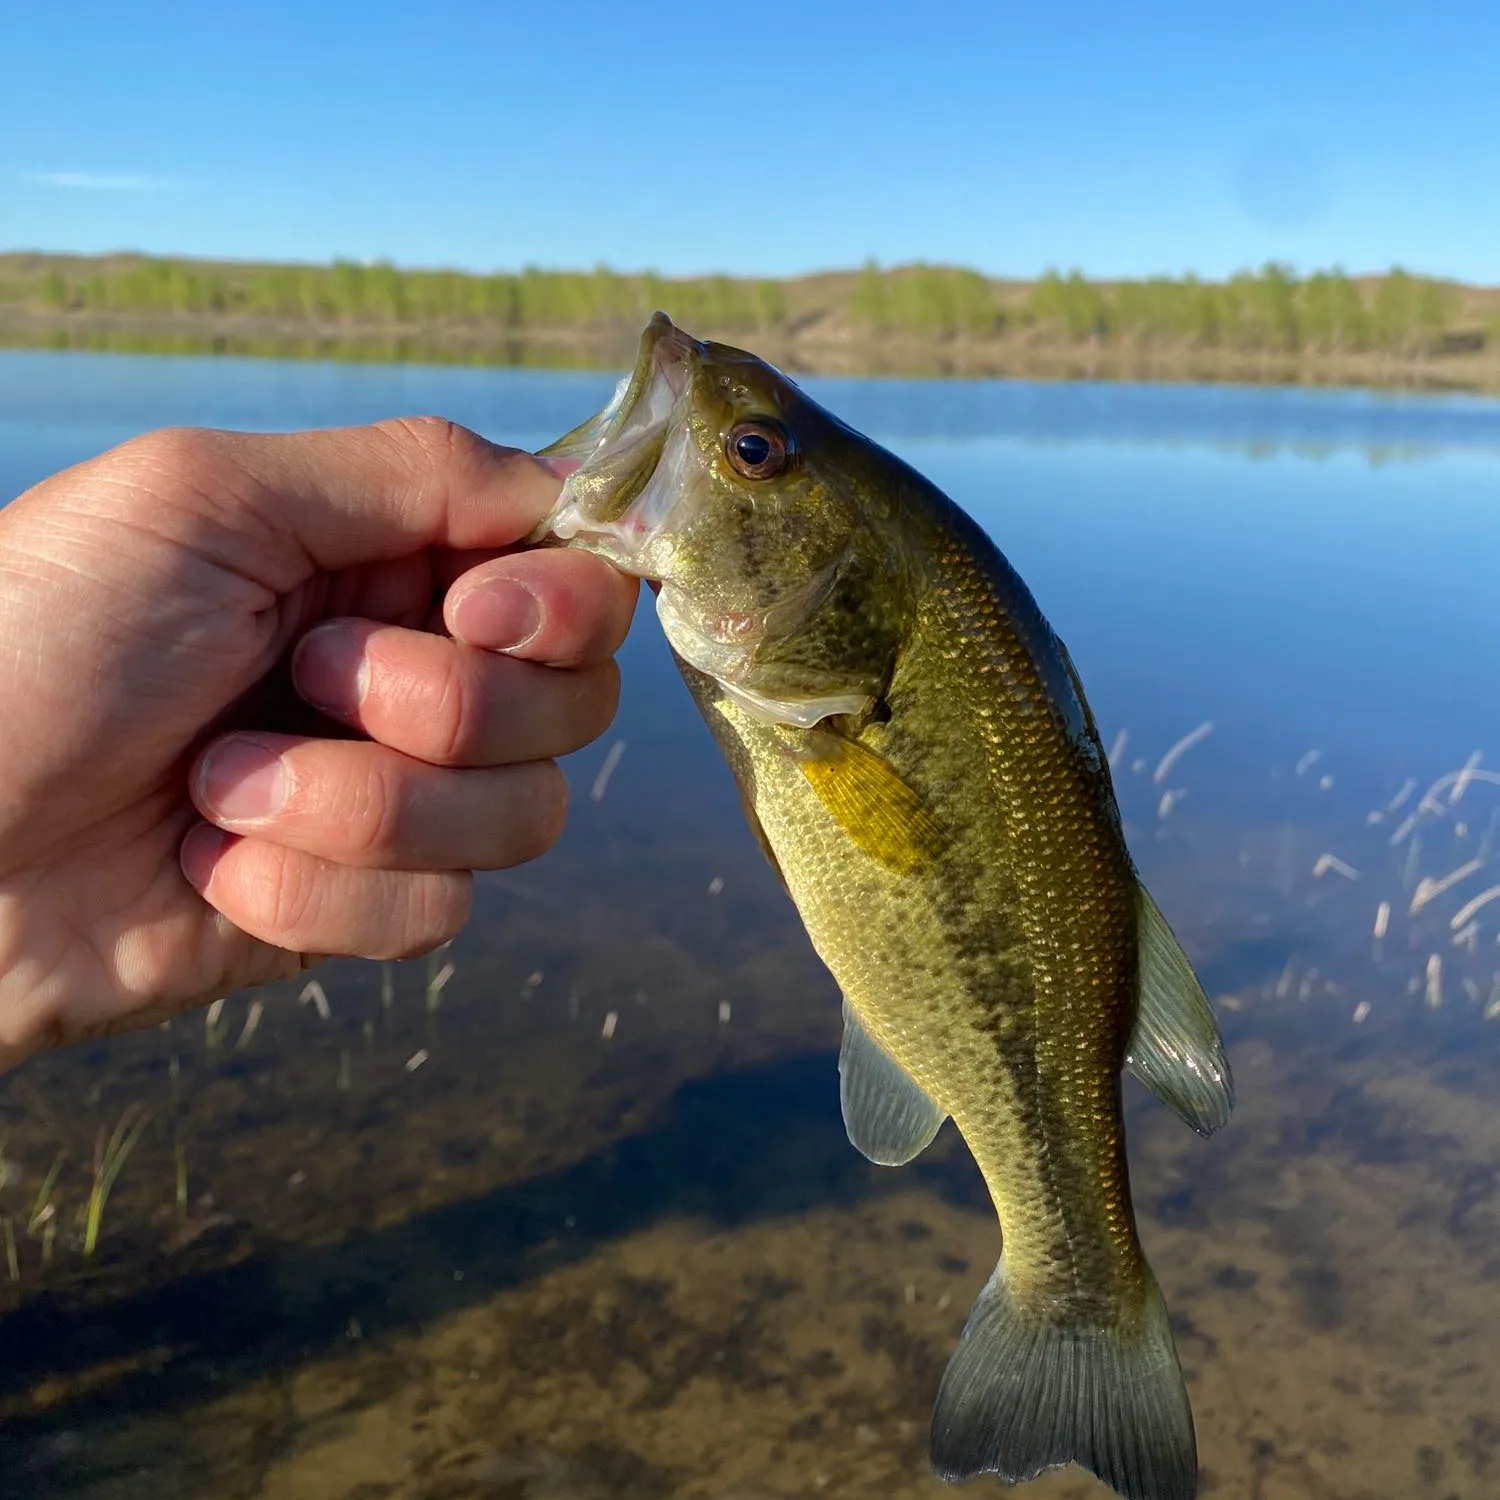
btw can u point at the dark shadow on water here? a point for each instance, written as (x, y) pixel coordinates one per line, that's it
(765, 1142)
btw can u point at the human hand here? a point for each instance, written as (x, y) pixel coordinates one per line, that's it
(195, 582)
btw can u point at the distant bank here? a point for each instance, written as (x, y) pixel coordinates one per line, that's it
(1393, 330)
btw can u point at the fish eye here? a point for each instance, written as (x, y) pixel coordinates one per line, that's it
(758, 450)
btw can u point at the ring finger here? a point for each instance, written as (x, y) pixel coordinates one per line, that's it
(304, 904)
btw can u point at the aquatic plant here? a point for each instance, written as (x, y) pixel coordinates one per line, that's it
(44, 1210)
(179, 1150)
(109, 1158)
(439, 973)
(214, 1025)
(252, 1022)
(607, 770)
(180, 1177)
(315, 995)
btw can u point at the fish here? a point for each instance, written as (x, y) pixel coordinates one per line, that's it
(916, 756)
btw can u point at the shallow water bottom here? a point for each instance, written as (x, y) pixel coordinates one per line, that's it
(777, 1324)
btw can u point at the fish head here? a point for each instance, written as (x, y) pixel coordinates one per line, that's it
(766, 526)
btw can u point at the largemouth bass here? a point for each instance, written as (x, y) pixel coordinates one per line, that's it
(918, 760)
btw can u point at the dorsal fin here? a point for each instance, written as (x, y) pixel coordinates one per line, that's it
(1176, 1049)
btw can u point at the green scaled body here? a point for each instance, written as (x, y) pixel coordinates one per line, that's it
(916, 755)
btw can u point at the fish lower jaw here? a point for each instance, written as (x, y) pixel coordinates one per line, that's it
(639, 539)
(618, 542)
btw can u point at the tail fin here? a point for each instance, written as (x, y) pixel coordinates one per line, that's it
(1023, 1394)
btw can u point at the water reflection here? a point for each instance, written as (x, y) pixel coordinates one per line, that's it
(582, 1221)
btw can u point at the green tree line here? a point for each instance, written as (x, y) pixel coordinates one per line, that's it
(1271, 309)
(348, 292)
(937, 301)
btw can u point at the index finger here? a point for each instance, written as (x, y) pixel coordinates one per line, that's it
(297, 503)
(551, 605)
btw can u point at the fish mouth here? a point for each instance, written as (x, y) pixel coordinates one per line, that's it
(633, 455)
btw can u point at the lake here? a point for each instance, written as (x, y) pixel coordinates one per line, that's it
(567, 1210)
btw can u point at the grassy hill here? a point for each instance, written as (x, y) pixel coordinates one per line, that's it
(1329, 328)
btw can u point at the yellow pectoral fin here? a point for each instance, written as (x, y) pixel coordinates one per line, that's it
(868, 799)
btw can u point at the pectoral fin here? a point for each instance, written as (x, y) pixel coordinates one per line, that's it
(888, 1116)
(747, 806)
(1176, 1049)
(868, 799)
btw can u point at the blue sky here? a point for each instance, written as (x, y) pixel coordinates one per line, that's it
(760, 136)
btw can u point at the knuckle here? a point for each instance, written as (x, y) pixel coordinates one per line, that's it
(453, 724)
(588, 705)
(435, 441)
(170, 447)
(368, 812)
(601, 604)
(283, 889)
(437, 908)
(603, 698)
(546, 811)
(295, 903)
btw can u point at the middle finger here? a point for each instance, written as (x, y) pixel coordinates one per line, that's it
(368, 806)
(447, 703)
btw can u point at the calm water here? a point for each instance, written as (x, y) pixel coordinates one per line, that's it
(455, 1240)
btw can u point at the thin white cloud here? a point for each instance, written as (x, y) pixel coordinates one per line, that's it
(100, 182)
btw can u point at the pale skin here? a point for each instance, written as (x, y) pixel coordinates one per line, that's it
(169, 831)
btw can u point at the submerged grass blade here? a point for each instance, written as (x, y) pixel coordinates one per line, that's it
(179, 1161)
(315, 995)
(107, 1165)
(439, 973)
(40, 1214)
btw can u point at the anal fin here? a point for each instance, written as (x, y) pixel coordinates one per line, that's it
(890, 1119)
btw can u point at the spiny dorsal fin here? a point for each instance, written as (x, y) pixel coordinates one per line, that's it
(888, 1116)
(1176, 1049)
(868, 799)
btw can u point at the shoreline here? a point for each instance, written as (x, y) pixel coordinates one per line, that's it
(801, 353)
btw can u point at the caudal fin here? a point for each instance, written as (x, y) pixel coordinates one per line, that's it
(1024, 1393)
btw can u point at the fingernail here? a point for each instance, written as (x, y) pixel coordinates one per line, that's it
(331, 670)
(562, 467)
(200, 853)
(497, 616)
(241, 780)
